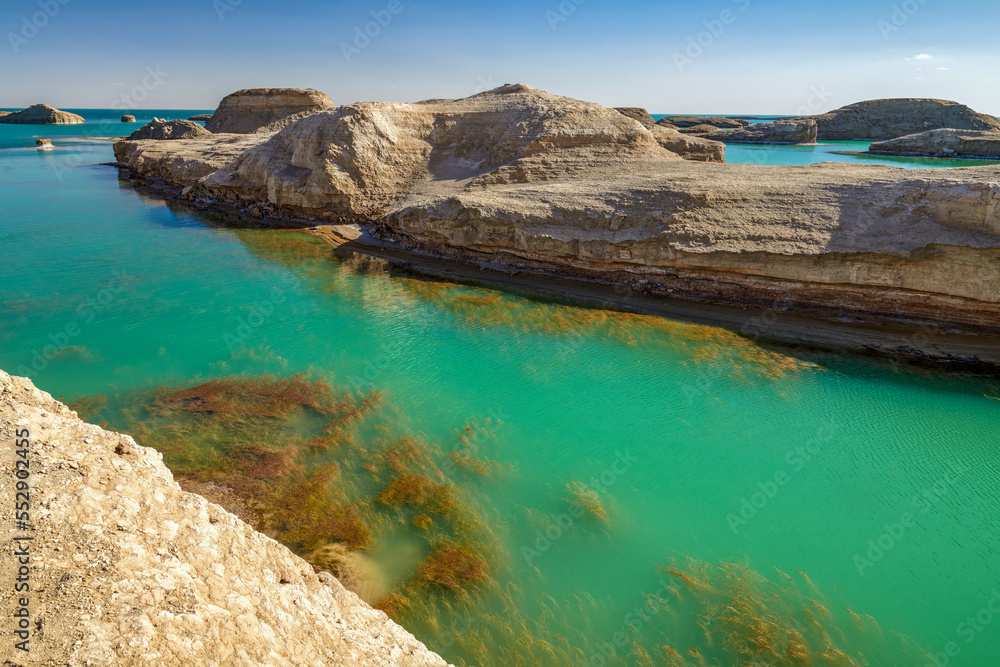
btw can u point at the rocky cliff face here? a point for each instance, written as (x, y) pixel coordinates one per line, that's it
(880, 120)
(943, 143)
(127, 569)
(42, 114)
(524, 179)
(637, 113)
(265, 109)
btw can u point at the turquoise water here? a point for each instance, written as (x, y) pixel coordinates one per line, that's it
(673, 426)
(100, 123)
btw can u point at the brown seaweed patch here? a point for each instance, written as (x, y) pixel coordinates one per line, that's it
(454, 567)
(314, 517)
(258, 397)
(587, 499)
(749, 620)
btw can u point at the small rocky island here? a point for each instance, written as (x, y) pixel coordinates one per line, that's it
(948, 143)
(42, 114)
(881, 120)
(128, 569)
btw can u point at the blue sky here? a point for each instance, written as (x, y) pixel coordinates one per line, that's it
(724, 56)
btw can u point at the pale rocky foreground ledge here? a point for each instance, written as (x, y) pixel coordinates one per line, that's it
(128, 569)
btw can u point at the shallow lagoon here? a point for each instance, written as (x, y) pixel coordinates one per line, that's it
(690, 441)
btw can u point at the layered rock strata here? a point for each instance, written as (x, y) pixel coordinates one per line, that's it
(265, 109)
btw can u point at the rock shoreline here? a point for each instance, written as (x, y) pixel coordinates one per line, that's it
(126, 568)
(536, 182)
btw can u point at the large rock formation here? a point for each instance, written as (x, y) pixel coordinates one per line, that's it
(880, 120)
(184, 163)
(637, 113)
(689, 147)
(265, 109)
(943, 143)
(169, 129)
(531, 181)
(126, 569)
(201, 116)
(715, 121)
(801, 131)
(128, 118)
(42, 114)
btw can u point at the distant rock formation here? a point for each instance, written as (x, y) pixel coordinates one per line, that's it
(169, 129)
(43, 144)
(697, 129)
(881, 120)
(779, 132)
(943, 143)
(265, 109)
(128, 569)
(201, 117)
(4, 113)
(715, 121)
(42, 114)
(637, 113)
(128, 118)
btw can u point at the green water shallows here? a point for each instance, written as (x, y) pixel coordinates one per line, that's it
(878, 485)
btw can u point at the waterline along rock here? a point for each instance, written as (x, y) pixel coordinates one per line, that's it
(527, 181)
(943, 143)
(128, 569)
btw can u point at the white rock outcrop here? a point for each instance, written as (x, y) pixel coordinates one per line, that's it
(128, 569)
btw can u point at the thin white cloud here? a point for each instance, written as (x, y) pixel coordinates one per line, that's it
(944, 69)
(923, 56)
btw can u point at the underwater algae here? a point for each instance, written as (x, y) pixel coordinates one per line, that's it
(330, 474)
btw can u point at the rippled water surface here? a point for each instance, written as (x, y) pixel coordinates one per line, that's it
(619, 485)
